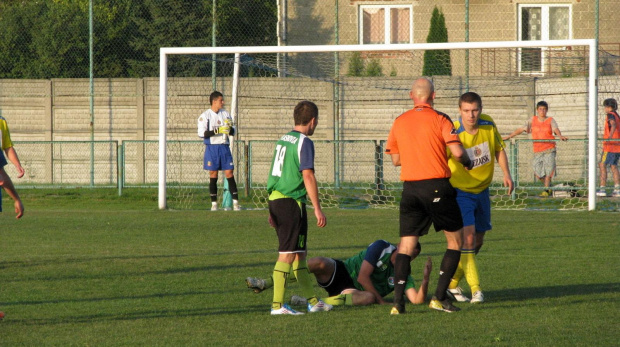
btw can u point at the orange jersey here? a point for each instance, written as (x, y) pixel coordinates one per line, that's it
(420, 137)
(612, 146)
(542, 131)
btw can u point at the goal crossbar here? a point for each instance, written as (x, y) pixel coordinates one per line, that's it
(592, 84)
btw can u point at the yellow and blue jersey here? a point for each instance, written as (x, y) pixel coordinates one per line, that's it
(5, 135)
(481, 148)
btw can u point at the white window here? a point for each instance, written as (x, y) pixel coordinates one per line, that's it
(541, 22)
(381, 24)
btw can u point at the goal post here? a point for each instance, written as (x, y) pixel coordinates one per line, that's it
(258, 68)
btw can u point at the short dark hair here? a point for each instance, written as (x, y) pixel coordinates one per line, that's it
(542, 103)
(304, 112)
(214, 96)
(470, 98)
(611, 103)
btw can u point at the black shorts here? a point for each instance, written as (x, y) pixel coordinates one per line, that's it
(340, 280)
(429, 201)
(291, 222)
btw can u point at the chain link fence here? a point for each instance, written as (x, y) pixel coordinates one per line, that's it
(351, 174)
(50, 164)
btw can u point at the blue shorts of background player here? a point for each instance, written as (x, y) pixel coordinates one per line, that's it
(475, 209)
(218, 157)
(610, 158)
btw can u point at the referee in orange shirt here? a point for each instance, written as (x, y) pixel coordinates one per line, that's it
(417, 143)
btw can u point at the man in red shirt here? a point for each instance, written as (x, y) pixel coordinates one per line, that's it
(417, 143)
(611, 148)
(542, 128)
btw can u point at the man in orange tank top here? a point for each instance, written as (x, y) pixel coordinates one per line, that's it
(542, 128)
(611, 148)
(417, 143)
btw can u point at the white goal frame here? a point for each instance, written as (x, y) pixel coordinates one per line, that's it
(164, 52)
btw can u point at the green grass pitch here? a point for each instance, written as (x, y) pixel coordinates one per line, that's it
(89, 268)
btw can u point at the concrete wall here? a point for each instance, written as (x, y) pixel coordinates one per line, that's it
(127, 109)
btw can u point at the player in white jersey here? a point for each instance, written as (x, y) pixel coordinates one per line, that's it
(215, 126)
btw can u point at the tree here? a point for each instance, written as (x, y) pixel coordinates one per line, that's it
(437, 62)
(374, 68)
(17, 55)
(173, 23)
(356, 65)
(50, 39)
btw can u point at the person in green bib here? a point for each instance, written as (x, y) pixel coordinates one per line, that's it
(291, 182)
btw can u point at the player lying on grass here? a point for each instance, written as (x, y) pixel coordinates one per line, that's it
(363, 279)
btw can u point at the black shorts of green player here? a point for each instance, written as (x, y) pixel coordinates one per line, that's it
(429, 201)
(340, 280)
(292, 220)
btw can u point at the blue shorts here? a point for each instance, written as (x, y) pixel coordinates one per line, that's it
(476, 209)
(610, 158)
(218, 157)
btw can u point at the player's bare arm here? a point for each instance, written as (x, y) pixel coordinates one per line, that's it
(11, 154)
(502, 161)
(364, 279)
(7, 185)
(558, 133)
(418, 296)
(460, 154)
(513, 134)
(395, 159)
(312, 190)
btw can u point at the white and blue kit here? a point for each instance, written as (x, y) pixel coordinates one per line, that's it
(217, 146)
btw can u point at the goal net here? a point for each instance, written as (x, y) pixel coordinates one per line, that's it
(360, 90)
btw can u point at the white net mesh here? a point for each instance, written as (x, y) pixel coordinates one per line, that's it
(359, 94)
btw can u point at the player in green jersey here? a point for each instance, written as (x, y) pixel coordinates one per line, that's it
(363, 279)
(291, 179)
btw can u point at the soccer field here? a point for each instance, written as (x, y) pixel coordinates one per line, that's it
(91, 268)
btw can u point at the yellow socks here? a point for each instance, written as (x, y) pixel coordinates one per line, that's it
(468, 258)
(457, 275)
(280, 275)
(342, 299)
(300, 268)
(468, 268)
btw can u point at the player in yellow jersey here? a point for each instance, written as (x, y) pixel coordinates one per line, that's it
(485, 146)
(6, 146)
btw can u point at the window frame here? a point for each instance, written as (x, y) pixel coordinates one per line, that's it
(387, 21)
(544, 32)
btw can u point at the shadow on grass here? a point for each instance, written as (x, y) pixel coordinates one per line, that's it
(507, 295)
(520, 294)
(113, 298)
(131, 316)
(178, 270)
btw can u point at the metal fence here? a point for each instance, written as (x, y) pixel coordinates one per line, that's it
(351, 174)
(68, 164)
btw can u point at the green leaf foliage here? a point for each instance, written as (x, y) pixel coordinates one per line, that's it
(437, 62)
(374, 68)
(45, 39)
(356, 65)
